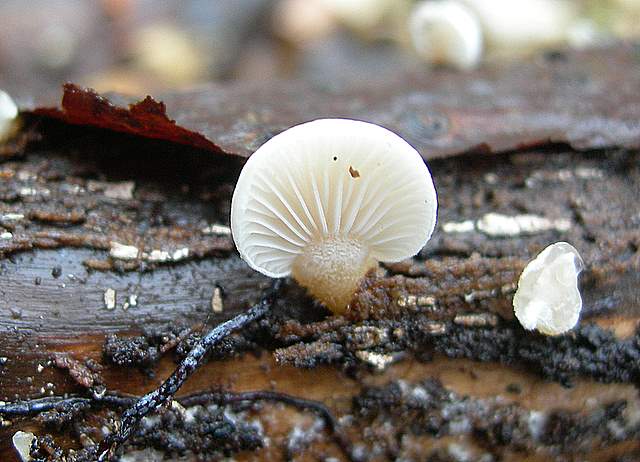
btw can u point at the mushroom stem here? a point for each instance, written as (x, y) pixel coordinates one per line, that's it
(331, 268)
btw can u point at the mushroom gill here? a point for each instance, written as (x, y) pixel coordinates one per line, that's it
(326, 200)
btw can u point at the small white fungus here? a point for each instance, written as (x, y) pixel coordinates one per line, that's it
(517, 27)
(548, 298)
(446, 32)
(326, 200)
(22, 442)
(8, 115)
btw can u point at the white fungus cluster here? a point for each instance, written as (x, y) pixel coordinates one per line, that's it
(457, 33)
(326, 200)
(548, 298)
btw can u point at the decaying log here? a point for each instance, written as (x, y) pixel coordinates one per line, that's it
(572, 98)
(117, 258)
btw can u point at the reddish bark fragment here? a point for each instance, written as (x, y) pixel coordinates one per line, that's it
(148, 117)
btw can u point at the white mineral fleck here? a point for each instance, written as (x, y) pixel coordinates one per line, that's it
(122, 251)
(180, 254)
(458, 227)
(12, 216)
(491, 178)
(6, 235)
(26, 191)
(498, 225)
(121, 190)
(158, 256)
(133, 300)
(378, 360)
(219, 230)
(22, 442)
(589, 173)
(110, 299)
(536, 423)
(547, 298)
(113, 190)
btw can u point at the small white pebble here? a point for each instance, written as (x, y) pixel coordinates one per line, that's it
(122, 251)
(6, 235)
(40, 368)
(22, 442)
(133, 300)
(548, 298)
(110, 299)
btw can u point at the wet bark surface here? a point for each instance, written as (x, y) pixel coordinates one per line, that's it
(116, 259)
(561, 97)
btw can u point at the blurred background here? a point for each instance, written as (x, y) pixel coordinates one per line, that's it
(142, 46)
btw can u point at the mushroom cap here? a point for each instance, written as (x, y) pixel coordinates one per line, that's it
(446, 32)
(548, 298)
(335, 180)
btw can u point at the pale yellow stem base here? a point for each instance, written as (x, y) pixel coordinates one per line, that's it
(331, 269)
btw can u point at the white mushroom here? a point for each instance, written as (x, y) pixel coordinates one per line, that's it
(548, 298)
(446, 32)
(326, 200)
(22, 443)
(517, 27)
(8, 114)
